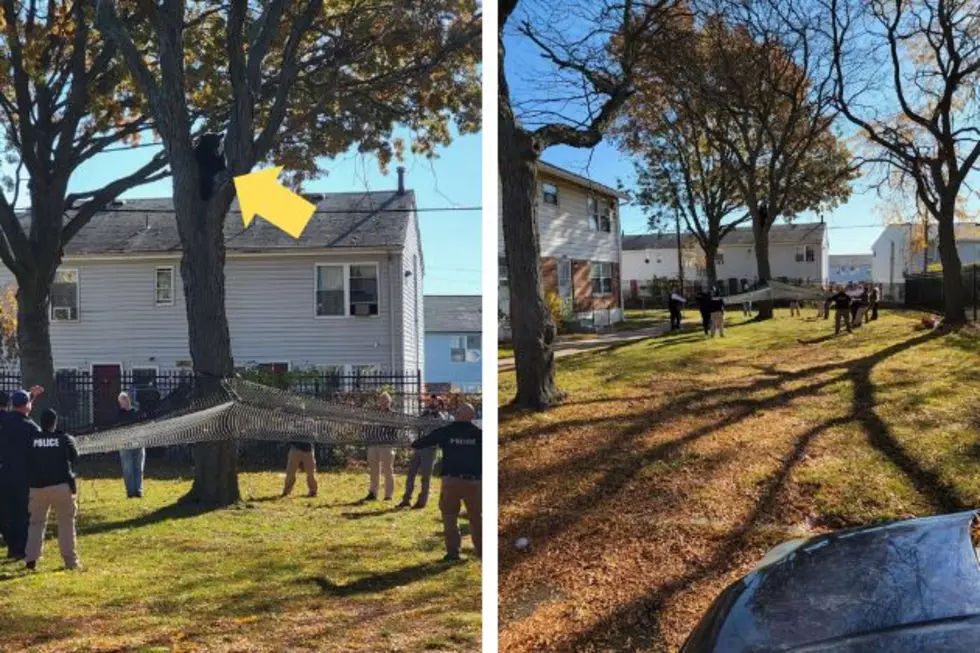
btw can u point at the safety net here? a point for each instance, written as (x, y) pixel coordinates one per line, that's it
(776, 291)
(243, 410)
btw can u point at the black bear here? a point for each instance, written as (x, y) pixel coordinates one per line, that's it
(210, 161)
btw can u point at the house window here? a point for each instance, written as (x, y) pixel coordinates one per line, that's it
(805, 253)
(549, 194)
(593, 214)
(465, 349)
(719, 259)
(165, 286)
(601, 278)
(364, 290)
(64, 296)
(329, 290)
(606, 217)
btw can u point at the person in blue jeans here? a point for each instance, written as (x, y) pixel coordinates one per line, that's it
(133, 460)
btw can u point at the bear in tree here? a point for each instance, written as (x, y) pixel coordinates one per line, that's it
(210, 157)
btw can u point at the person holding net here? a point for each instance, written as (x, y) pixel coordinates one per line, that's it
(842, 310)
(133, 460)
(422, 462)
(14, 480)
(52, 455)
(676, 305)
(300, 457)
(381, 460)
(461, 443)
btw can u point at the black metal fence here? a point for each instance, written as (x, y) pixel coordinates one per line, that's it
(926, 291)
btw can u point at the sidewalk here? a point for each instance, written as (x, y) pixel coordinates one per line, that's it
(572, 347)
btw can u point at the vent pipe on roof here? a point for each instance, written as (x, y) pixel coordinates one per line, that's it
(401, 180)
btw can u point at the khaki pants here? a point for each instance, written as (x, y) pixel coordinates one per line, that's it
(842, 316)
(718, 323)
(794, 309)
(381, 460)
(62, 500)
(300, 460)
(454, 492)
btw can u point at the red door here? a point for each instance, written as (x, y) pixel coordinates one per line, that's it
(106, 383)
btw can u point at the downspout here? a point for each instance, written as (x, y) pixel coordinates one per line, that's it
(391, 311)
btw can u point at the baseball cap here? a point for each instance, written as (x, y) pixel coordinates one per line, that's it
(20, 398)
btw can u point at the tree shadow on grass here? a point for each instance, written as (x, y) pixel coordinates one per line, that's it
(381, 582)
(637, 623)
(167, 513)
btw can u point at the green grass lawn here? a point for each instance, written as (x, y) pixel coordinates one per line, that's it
(634, 319)
(676, 462)
(505, 350)
(265, 575)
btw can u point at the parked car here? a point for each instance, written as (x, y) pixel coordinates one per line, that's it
(901, 587)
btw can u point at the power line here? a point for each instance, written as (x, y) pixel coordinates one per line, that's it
(437, 209)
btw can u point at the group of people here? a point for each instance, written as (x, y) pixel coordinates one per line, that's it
(711, 305)
(461, 444)
(36, 475)
(853, 306)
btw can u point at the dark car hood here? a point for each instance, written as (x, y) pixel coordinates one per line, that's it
(906, 586)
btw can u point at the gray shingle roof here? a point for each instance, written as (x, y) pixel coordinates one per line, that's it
(149, 225)
(453, 314)
(784, 234)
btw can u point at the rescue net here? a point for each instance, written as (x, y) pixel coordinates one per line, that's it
(242, 410)
(778, 291)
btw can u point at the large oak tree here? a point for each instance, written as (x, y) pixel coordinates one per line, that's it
(762, 91)
(302, 80)
(907, 76)
(593, 66)
(64, 100)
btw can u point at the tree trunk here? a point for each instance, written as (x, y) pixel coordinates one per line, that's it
(710, 265)
(202, 270)
(532, 328)
(954, 296)
(34, 340)
(760, 232)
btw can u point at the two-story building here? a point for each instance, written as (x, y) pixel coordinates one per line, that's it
(345, 298)
(899, 251)
(798, 252)
(850, 268)
(581, 249)
(454, 343)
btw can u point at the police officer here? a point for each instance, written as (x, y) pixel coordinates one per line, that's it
(461, 443)
(16, 428)
(51, 456)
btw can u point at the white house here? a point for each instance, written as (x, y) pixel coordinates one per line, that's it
(581, 252)
(895, 254)
(345, 298)
(850, 268)
(797, 251)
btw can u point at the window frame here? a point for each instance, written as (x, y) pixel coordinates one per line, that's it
(597, 265)
(345, 267)
(78, 297)
(156, 284)
(719, 258)
(545, 194)
(464, 338)
(606, 213)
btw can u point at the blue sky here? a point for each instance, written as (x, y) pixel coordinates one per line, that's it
(853, 226)
(450, 240)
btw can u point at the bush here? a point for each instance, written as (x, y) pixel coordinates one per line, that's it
(555, 309)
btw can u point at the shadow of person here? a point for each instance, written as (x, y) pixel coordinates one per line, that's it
(381, 582)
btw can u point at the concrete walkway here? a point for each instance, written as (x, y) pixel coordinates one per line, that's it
(572, 347)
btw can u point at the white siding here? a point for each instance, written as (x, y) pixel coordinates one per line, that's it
(738, 262)
(564, 229)
(270, 314)
(413, 314)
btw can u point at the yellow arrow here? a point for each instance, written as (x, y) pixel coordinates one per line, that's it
(260, 193)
